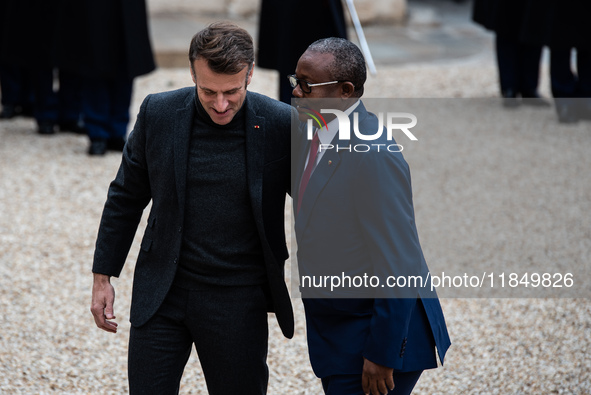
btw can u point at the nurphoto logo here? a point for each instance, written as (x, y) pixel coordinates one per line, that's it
(391, 121)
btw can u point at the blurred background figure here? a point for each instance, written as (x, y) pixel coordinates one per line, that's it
(15, 90)
(564, 27)
(518, 62)
(106, 45)
(17, 95)
(287, 27)
(28, 43)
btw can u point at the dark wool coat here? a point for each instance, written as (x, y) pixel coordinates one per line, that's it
(504, 17)
(28, 31)
(558, 24)
(100, 38)
(287, 27)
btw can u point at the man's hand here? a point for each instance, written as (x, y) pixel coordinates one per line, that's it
(101, 307)
(376, 379)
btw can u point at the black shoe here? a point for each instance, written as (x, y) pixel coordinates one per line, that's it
(72, 126)
(510, 98)
(567, 111)
(534, 99)
(116, 144)
(26, 110)
(45, 127)
(97, 147)
(8, 112)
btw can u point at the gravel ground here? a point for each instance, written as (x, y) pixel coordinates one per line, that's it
(491, 193)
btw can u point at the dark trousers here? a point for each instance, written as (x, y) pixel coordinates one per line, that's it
(105, 105)
(519, 66)
(70, 108)
(15, 86)
(46, 100)
(228, 326)
(565, 82)
(350, 384)
(58, 106)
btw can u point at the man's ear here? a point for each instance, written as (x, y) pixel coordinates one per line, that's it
(347, 90)
(250, 73)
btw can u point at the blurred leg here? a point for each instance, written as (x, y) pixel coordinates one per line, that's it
(70, 109)
(121, 92)
(564, 85)
(96, 107)
(507, 61)
(529, 70)
(46, 103)
(563, 80)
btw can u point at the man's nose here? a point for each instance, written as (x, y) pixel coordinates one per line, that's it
(297, 92)
(221, 103)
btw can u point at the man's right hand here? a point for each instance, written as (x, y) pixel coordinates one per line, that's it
(101, 307)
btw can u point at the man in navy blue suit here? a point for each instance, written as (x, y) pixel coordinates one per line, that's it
(355, 220)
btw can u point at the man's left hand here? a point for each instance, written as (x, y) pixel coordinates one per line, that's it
(376, 379)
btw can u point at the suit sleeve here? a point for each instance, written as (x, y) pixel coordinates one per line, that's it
(384, 208)
(128, 195)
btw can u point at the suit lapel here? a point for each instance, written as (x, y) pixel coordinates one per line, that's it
(324, 171)
(255, 157)
(320, 177)
(183, 126)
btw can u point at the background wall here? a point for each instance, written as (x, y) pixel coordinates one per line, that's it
(370, 11)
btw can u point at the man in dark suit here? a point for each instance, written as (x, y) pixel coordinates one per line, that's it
(214, 160)
(355, 219)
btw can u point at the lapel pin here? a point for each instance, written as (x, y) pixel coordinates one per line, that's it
(330, 162)
(256, 126)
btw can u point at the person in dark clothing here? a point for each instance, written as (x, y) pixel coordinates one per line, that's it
(354, 215)
(282, 39)
(214, 160)
(564, 27)
(518, 62)
(16, 92)
(29, 76)
(15, 89)
(106, 43)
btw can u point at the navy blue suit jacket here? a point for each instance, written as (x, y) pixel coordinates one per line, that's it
(357, 218)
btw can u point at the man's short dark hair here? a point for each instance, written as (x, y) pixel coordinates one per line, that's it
(226, 47)
(348, 63)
